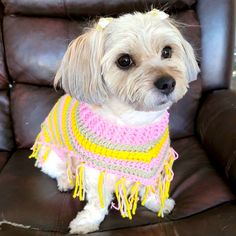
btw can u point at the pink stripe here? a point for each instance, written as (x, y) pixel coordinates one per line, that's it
(121, 134)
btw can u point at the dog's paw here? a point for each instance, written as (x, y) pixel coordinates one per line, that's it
(64, 184)
(153, 204)
(82, 225)
(169, 205)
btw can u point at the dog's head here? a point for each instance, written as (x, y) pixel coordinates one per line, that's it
(140, 59)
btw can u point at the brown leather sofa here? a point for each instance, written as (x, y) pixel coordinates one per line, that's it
(35, 35)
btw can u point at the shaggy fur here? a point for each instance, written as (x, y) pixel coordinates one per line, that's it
(89, 73)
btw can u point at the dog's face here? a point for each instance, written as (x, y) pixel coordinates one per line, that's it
(140, 59)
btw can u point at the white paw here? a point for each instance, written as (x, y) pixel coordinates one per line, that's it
(82, 224)
(38, 164)
(153, 204)
(64, 184)
(169, 205)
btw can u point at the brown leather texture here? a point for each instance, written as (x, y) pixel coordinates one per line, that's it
(75, 8)
(30, 106)
(217, 130)
(35, 35)
(196, 187)
(34, 53)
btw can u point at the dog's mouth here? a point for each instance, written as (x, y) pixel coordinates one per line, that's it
(164, 104)
(166, 99)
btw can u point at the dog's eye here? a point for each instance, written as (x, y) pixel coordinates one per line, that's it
(125, 61)
(166, 52)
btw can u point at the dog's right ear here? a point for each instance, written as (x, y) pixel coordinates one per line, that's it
(80, 72)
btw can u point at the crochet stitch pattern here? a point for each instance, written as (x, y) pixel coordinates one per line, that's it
(141, 155)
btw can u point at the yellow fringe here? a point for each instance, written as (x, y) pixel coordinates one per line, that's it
(147, 190)
(122, 199)
(69, 173)
(133, 199)
(100, 189)
(161, 195)
(164, 188)
(79, 180)
(76, 182)
(117, 194)
(35, 152)
(126, 200)
(81, 189)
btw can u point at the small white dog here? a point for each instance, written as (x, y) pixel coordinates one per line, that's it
(129, 71)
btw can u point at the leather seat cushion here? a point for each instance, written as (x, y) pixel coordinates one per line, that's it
(27, 192)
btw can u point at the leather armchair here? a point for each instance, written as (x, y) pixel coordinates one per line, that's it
(34, 37)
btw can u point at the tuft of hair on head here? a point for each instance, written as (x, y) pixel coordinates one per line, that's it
(80, 72)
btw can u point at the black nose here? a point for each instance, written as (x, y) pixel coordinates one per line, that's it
(165, 84)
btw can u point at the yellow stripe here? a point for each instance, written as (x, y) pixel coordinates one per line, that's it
(55, 120)
(147, 189)
(51, 124)
(123, 155)
(64, 123)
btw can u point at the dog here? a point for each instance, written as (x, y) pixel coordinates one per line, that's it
(126, 71)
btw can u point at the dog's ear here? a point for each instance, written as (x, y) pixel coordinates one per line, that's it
(192, 68)
(80, 72)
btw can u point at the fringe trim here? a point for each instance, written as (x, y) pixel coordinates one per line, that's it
(127, 202)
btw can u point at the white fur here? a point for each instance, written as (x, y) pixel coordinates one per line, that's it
(89, 73)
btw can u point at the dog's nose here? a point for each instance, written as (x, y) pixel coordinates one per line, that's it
(165, 84)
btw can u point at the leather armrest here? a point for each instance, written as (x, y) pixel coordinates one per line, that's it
(216, 126)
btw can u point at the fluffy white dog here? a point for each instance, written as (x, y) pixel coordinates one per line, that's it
(129, 71)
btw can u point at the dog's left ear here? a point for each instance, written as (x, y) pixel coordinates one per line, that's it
(80, 72)
(192, 68)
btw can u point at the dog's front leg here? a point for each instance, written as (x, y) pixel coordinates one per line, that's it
(90, 218)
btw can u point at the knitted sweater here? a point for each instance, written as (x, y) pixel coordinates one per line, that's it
(141, 155)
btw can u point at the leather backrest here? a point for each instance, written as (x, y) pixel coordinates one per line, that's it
(85, 8)
(35, 42)
(6, 134)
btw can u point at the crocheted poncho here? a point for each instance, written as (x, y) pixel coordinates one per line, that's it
(141, 155)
